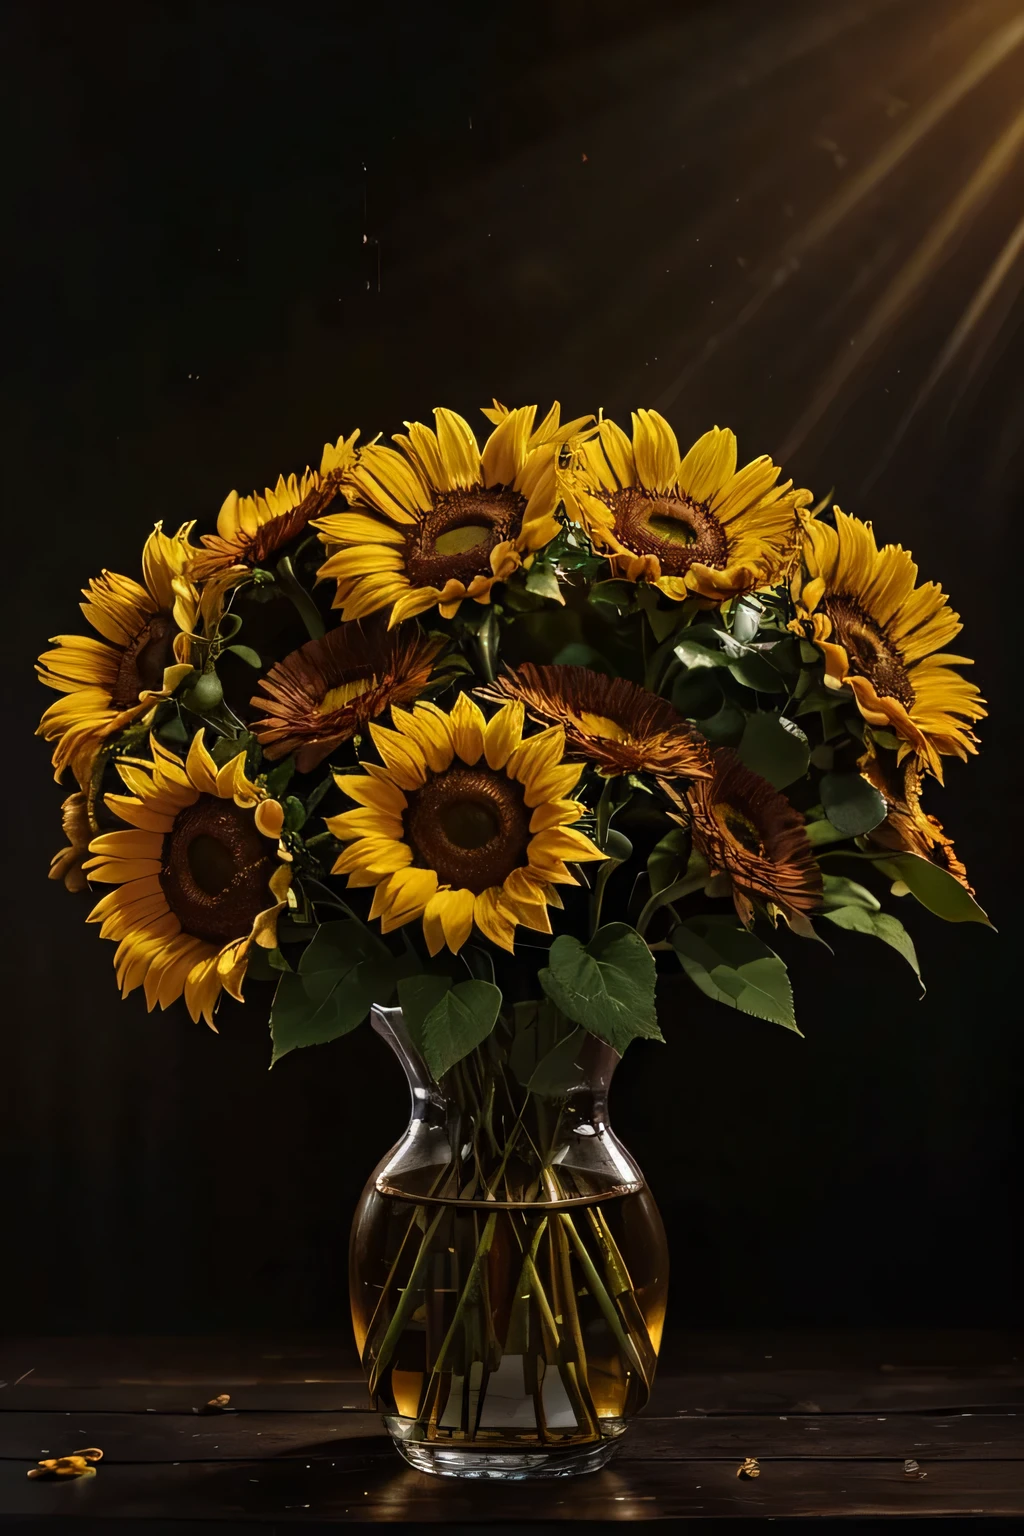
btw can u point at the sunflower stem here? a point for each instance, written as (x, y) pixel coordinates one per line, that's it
(304, 605)
(663, 898)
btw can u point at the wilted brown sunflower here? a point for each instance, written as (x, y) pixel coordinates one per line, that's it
(908, 828)
(326, 691)
(613, 723)
(747, 830)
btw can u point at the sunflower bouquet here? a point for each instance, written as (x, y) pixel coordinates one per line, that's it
(492, 734)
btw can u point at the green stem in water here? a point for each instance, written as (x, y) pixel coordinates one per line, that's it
(304, 605)
(406, 1305)
(600, 1293)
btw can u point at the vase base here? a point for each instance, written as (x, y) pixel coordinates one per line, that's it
(447, 1460)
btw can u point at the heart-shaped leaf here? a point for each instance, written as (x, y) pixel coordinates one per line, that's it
(459, 1021)
(607, 986)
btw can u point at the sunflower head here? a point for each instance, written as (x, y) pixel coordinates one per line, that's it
(439, 520)
(907, 827)
(327, 691)
(464, 822)
(143, 655)
(745, 829)
(67, 864)
(250, 529)
(198, 877)
(883, 637)
(613, 723)
(691, 525)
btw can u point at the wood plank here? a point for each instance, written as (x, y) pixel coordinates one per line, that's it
(867, 1390)
(255, 1359)
(249, 1436)
(279, 1491)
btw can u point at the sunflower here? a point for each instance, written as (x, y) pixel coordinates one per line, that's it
(143, 656)
(326, 692)
(745, 829)
(442, 520)
(693, 525)
(465, 823)
(613, 723)
(67, 864)
(882, 636)
(252, 528)
(197, 877)
(908, 828)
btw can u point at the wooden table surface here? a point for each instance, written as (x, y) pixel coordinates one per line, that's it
(831, 1418)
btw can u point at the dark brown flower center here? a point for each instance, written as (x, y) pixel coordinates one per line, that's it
(216, 870)
(469, 825)
(143, 661)
(741, 829)
(870, 650)
(456, 537)
(679, 531)
(272, 535)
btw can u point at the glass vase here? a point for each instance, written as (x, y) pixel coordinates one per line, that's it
(508, 1265)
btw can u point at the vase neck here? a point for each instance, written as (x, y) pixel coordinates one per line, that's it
(522, 1119)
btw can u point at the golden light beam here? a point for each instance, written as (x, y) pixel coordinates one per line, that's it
(911, 275)
(965, 327)
(992, 52)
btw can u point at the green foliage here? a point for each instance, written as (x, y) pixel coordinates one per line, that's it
(852, 805)
(545, 1049)
(542, 581)
(666, 859)
(881, 925)
(247, 654)
(840, 892)
(935, 888)
(732, 966)
(606, 985)
(462, 1017)
(341, 974)
(775, 748)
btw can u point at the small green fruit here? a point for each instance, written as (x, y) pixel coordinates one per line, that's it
(204, 695)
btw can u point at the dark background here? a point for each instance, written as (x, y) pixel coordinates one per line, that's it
(240, 229)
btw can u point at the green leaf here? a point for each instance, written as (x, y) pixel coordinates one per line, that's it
(775, 748)
(542, 581)
(840, 892)
(882, 926)
(417, 995)
(696, 656)
(724, 728)
(248, 655)
(341, 974)
(696, 693)
(619, 595)
(821, 832)
(667, 859)
(229, 625)
(752, 667)
(663, 621)
(463, 1016)
(557, 1073)
(935, 888)
(852, 805)
(608, 987)
(279, 777)
(732, 966)
(294, 813)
